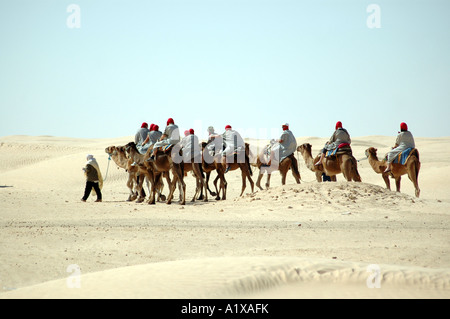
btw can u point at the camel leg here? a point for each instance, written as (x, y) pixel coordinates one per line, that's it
(208, 175)
(297, 176)
(155, 181)
(183, 190)
(397, 183)
(202, 183)
(162, 197)
(215, 185)
(139, 191)
(268, 180)
(283, 177)
(258, 181)
(243, 183)
(197, 189)
(178, 177)
(159, 188)
(413, 174)
(294, 168)
(283, 167)
(216, 193)
(131, 183)
(319, 176)
(346, 169)
(172, 187)
(386, 180)
(200, 197)
(223, 185)
(250, 180)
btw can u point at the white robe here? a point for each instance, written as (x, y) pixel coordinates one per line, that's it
(404, 141)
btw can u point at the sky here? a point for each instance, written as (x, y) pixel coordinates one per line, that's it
(98, 69)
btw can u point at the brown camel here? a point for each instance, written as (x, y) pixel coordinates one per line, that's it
(118, 155)
(213, 164)
(153, 170)
(197, 171)
(290, 162)
(151, 176)
(134, 183)
(411, 167)
(235, 163)
(342, 163)
(305, 150)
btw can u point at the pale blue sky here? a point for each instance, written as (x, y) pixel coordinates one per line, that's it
(253, 64)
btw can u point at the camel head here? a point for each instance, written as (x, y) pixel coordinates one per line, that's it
(305, 148)
(130, 146)
(371, 151)
(110, 150)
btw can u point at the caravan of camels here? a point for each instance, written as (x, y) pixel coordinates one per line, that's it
(155, 156)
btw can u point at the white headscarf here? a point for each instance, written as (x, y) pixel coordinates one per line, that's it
(93, 162)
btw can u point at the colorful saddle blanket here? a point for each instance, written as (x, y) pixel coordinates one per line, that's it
(341, 149)
(403, 156)
(166, 148)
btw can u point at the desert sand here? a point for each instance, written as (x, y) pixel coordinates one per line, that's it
(308, 240)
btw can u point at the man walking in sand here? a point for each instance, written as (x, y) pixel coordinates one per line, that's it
(94, 179)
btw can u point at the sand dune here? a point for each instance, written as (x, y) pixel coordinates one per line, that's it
(248, 277)
(312, 240)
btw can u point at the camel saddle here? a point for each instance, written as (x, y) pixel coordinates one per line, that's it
(342, 149)
(166, 148)
(403, 157)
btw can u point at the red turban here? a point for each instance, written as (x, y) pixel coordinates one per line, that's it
(170, 121)
(144, 125)
(338, 125)
(191, 131)
(155, 128)
(228, 127)
(151, 126)
(403, 127)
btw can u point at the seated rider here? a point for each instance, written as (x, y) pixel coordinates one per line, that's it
(284, 146)
(215, 142)
(232, 141)
(404, 141)
(339, 137)
(190, 147)
(171, 135)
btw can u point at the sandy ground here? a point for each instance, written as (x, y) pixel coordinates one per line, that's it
(313, 240)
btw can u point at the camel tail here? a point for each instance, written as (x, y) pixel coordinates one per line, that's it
(248, 153)
(294, 166)
(356, 176)
(249, 165)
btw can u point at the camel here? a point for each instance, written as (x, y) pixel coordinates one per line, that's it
(208, 168)
(411, 167)
(246, 170)
(197, 171)
(134, 183)
(153, 170)
(290, 162)
(118, 155)
(305, 150)
(331, 166)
